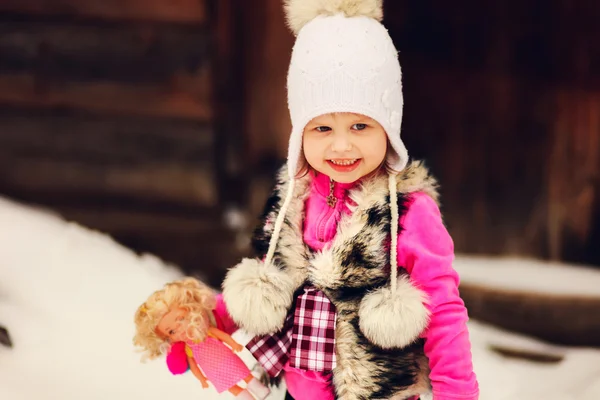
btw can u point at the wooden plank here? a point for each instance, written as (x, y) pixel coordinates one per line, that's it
(118, 140)
(573, 182)
(266, 57)
(559, 43)
(527, 355)
(127, 222)
(4, 337)
(170, 183)
(187, 96)
(91, 52)
(131, 158)
(229, 42)
(182, 11)
(465, 125)
(558, 319)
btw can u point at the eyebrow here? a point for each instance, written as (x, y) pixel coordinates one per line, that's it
(318, 123)
(362, 118)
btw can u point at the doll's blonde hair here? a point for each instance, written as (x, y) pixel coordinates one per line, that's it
(190, 294)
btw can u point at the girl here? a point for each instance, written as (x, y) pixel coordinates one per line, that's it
(353, 295)
(180, 319)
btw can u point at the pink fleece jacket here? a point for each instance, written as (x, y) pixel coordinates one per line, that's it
(426, 250)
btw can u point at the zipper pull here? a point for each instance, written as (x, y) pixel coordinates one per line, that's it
(331, 199)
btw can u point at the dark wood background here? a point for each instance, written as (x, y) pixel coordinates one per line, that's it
(121, 115)
(148, 119)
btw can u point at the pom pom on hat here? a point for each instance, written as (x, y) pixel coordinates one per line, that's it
(300, 12)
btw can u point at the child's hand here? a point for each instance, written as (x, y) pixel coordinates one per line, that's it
(204, 383)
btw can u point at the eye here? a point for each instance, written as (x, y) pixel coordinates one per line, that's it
(180, 318)
(322, 129)
(359, 127)
(171, 332)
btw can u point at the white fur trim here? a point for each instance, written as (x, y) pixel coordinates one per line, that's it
(300, 12)
(258, 296)
(393, 320)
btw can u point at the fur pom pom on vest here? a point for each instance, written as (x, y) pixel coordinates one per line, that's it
(378, 351)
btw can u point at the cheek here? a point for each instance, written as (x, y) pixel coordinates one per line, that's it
(379, 148)
(183, 327)
(312, 149)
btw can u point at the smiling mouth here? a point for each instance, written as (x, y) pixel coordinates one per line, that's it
(344, 162)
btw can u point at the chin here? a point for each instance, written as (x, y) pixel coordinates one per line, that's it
(344, 178)
(347, 177)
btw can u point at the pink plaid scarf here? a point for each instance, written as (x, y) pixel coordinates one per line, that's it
(307, 338)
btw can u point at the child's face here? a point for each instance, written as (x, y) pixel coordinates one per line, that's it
(344, 146)
(173, 325)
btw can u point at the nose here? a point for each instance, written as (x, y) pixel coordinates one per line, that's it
(341, 142)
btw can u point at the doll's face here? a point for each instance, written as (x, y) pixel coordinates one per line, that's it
(344, 146)
(173, 325)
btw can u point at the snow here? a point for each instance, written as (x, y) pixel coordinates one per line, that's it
(533, 275)
(67, 296)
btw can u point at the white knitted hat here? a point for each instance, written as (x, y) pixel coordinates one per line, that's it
(343, 61)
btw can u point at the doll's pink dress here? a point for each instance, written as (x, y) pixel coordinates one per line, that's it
(220, 364)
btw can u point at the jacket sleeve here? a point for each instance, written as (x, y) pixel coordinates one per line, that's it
(224, 320)
(426, 250)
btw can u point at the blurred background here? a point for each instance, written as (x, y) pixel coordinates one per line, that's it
(161, 122)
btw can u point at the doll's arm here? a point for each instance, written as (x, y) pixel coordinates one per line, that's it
(197, 373)
(225, 338)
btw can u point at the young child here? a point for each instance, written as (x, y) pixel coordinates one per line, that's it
(353, 295)
(180, 320)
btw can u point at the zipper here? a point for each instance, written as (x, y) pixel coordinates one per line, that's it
(328, 215)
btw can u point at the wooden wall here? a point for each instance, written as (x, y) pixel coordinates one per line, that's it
(502, 100)
(145, 118)
(118, 114)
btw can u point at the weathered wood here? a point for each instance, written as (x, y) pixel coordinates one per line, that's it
(4, 337)
(101, 51)
(230, 43)
(558, 43)
(185, 11)
(561, 319)
(128, 222)
(574, 168)
(170, 183)
(267, 55)
(528, 355)
(466, 125)
(82, 155)
(185, 96)
(105, 139)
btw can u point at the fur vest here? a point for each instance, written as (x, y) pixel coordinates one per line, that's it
(378, 351)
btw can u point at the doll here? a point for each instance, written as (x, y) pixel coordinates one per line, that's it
(179, 321)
